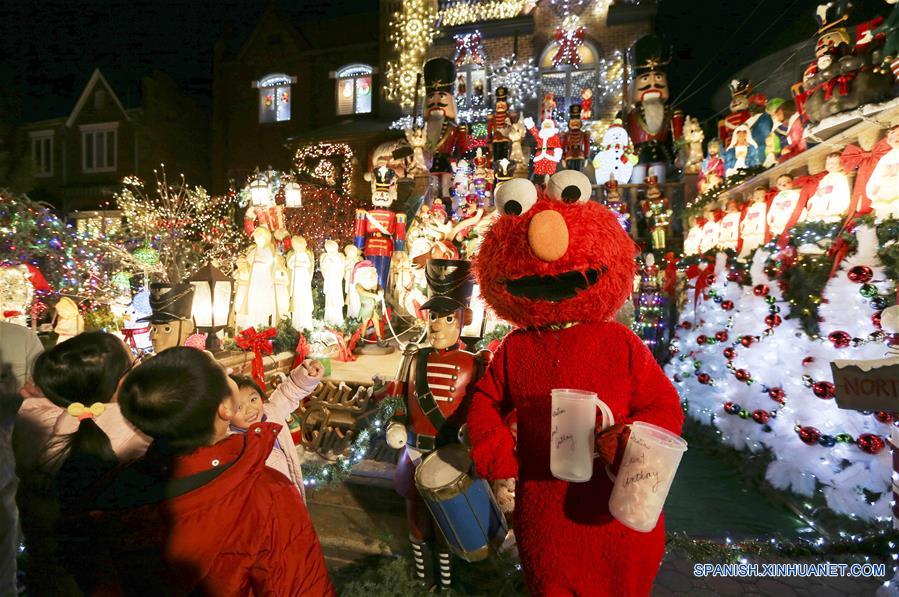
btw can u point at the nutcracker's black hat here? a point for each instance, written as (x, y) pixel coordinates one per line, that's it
(502, 94)
(649, 53)
(504, 169)
(739, 87)
(450, 284)
(574, 111)
(440, 75)
(832, 14)
(170, 302)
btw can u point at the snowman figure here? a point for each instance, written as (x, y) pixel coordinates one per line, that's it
(616, 157)
(136, 328)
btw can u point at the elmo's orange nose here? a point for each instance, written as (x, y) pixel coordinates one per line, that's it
(548, 235)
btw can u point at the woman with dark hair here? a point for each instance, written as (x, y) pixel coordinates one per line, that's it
(200, 513)
(65, 441)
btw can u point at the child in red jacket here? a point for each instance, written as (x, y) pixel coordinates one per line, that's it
(560, 266)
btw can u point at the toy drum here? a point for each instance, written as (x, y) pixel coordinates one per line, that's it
(463, 507)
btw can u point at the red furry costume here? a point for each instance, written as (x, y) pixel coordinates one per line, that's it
(545, 272)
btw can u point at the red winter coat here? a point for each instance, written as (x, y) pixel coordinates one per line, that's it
(234, 526)
(568, 542)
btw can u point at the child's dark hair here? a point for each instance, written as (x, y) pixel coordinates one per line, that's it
(245, 381)
(173, 397)
(85, 369)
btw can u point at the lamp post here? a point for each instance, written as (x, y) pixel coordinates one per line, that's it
(213, 293)
(293, 195)
(260, 193)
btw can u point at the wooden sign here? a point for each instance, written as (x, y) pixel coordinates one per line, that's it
(867, 385)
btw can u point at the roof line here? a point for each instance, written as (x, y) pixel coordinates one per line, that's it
(96, 77)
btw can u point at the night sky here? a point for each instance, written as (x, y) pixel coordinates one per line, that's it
(50, 48)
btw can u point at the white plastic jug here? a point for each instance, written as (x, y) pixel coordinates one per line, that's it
(647, 470)
(573, 433)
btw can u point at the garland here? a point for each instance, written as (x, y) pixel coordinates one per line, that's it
(887, 235)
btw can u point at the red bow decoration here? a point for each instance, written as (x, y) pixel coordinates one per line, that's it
(703, 280)
(807, 186)
(569, 41)
(302, 351)
(8, 314)
(837, 252)
(670, 273)
(855, 157)
(468, 44)
(130, 333)
(260, 343)
(841, 83)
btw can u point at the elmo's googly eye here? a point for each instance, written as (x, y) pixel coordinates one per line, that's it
(514, 197)
(569, 186)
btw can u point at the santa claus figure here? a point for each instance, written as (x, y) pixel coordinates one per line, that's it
(446, 140)
(830, 201)
(559, 271)
(651, 124)
(548, 152)
(739, 109)
(575, 141)
(694, 237)
(709, 231)
(729, 228)
(785, 209)
(498, 124)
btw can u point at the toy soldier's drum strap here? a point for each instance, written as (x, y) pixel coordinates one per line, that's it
(420, 441)
(425, 398)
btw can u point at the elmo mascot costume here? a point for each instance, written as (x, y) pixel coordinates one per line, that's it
(559, 266)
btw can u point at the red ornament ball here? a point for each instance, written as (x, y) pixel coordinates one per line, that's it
(733, 275)
(777, 394)
(860, 274)
(875, 319)
(870, 443)
(686, 325)
(704, 378)
(824, 390)
(839, 339)
(729, 353)
(760, 416)
(760, 290)
(747, 340)
(773, 320)
(721, 336)
(701, 339)
(808, 361)
(727, 305)
(742, 374)
(884, 416)
(809, 435)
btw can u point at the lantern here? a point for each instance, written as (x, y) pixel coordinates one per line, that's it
(212, 302)
(260, 194)
(293, 195)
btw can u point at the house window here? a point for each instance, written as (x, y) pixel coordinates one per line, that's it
(354, 89)
(99, 145)
(568, 82)
(471, 86)
(274, 97)
(42, 153)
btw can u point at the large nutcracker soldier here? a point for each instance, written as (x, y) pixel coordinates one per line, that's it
(651, 124)
(446, 140)
(380, 231)
(498, 125)
(575, 142)
(436, 384)
(739, 110)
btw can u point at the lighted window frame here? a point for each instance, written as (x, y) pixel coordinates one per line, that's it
(99, 147)
(574, 79)
(350, 95)
(278, 86)
(42, 153)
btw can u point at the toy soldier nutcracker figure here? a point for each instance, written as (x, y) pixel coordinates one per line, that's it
(575, 142)
(739, 110)
(436, 385)
(658, 213)
(380, 231)
(651, 124)
(445, 139)
(498, 124)
(613, 201)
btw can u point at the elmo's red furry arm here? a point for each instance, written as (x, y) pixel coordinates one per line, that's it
(654, 399)
(493, 447)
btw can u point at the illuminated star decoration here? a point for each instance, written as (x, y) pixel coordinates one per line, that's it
(411, 32)
(520, 78)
